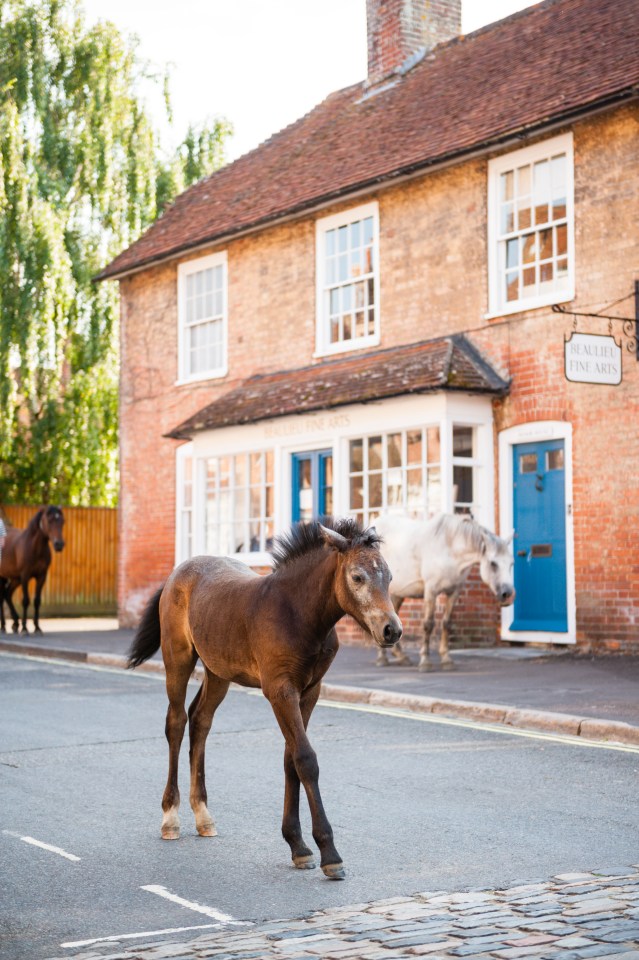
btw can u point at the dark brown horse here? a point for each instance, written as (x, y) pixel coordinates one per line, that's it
(26, 556)
(275, 632)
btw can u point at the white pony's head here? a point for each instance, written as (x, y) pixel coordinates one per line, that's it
(496, 567)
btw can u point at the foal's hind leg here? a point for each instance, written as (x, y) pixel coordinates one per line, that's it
(204, 705)
(178, 672)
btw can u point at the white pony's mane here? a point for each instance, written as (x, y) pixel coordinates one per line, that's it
(461, 527)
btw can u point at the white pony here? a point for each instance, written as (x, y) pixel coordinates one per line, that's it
(429, 557)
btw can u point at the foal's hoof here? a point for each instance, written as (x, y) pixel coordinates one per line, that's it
(383, 662)
(448, 665)
(426, 667)
(207, 829)
(24, 630)
(305, 862)
(37, 629)
(170, 833)
(15, 628)
(334, 871)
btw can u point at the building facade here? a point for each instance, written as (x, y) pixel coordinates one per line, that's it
(357, 317)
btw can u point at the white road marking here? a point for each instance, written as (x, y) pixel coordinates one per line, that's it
(44, 846)
(191, 905)
(145, 933)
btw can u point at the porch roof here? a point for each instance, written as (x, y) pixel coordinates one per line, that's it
(448, 363)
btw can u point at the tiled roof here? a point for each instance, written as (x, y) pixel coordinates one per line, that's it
(449, 363)
(548, 63)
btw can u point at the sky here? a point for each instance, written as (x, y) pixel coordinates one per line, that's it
(260, 64)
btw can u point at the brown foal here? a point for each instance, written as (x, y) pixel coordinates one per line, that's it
(275, 632)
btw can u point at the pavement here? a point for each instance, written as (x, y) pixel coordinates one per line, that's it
(555, 690)
(572, 916)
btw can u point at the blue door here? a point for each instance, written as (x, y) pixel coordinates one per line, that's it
(312, 484)
(539, 502)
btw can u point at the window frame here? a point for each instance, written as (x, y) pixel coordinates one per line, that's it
(542, 150)
(185, 270)
(425, 466)
(323, 346)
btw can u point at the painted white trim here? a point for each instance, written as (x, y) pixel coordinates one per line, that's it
(322, 346)
(507, 161)
(184, 452)
(184, 270)
(332, 429)
(538, 431)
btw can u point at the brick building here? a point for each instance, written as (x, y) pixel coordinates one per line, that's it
(358, 316)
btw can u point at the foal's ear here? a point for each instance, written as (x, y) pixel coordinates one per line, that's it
(333, 539)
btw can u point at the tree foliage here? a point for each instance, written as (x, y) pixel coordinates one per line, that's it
(82, 174)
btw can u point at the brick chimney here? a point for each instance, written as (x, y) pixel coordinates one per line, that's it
(397, 29)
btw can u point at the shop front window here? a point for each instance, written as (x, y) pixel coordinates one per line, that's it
(395, 472)
(239, 504)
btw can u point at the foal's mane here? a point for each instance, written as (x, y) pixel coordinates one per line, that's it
(303, 538)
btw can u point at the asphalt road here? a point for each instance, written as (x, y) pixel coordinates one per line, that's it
(415, 804)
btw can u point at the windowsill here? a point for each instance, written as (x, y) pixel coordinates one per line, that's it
(198, 378)
(535, 303)
(347, 347)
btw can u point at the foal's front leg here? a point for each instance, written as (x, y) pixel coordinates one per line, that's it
(291, 828)
(285, 701)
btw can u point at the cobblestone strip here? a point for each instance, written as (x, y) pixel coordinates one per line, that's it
(573, 916)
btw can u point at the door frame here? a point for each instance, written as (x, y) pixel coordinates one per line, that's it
(537, 431)
(317, 458)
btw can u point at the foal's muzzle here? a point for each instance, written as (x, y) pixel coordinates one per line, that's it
(392, 633)
(58, 545)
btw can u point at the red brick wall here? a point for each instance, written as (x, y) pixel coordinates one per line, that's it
(433, 252)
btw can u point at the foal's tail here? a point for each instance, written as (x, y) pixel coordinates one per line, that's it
(147, 637)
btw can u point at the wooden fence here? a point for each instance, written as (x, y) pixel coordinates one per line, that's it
(82, 579)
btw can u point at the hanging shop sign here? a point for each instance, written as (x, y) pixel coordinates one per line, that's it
(592, 358)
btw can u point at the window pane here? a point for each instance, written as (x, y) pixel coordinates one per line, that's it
(434, 491)
(356, 458)
(434, 450)
(545, 244)
(512, 286)
(415, 489)
(269, 466)
(462, 441)
(507, 181)
(394, 488)
(394, 449)
(356, 494)
(375, 490)
(414, 446)
(562, 239)
(255, 502)
(555, 459)
(374, 453)
(512, 253)
(463, 484)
